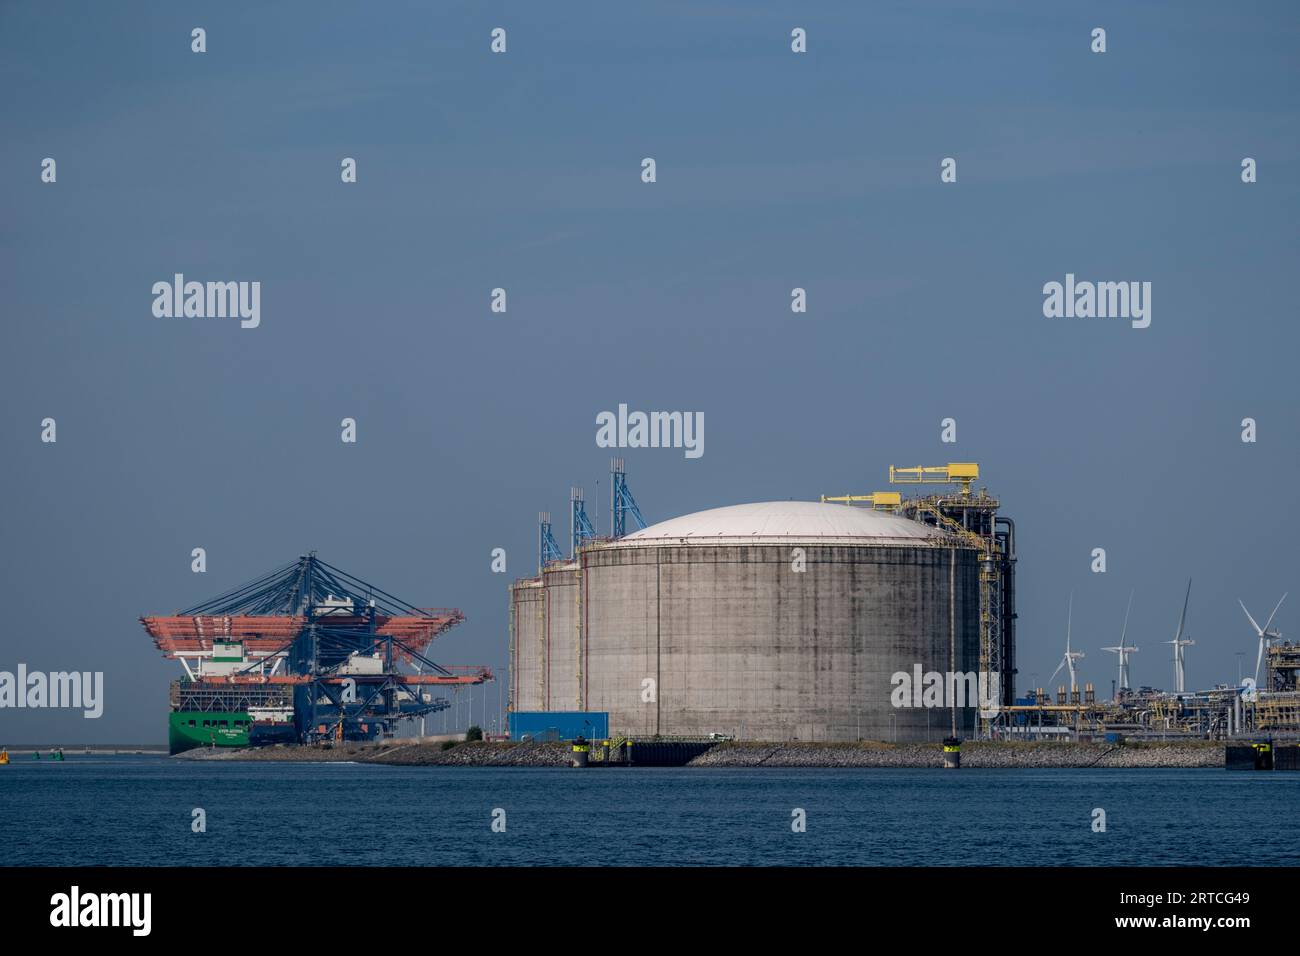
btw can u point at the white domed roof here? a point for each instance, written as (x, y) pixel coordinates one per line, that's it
(767, 522)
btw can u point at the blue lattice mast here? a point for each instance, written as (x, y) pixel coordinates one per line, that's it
(622, 503)
(547, 548)
(581, 529)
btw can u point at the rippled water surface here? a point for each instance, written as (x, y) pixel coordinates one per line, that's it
(138, 810)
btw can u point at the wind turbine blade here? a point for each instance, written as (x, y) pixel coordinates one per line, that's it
(1057, 671)
(1270, 617)
(1183, 617)
(1258, 629)
(1259, 658)
(1124, 632)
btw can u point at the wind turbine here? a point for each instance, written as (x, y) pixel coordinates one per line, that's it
(1265, 635)
(1123, 650)
(1180, 642)
(1070, 656)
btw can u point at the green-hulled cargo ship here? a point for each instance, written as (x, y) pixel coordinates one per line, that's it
(213, 714)
(187, 729)
(305, 654)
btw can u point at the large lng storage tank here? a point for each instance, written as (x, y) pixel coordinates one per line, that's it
(770, 621)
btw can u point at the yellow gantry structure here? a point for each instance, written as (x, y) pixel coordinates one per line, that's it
(879, 500)
(961, 473)
(954, 473)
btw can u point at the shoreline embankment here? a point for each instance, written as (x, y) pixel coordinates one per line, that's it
(975, 755)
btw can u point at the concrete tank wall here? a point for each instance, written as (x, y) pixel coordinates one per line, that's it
(527, 688)
(561, 636)
(738, 643)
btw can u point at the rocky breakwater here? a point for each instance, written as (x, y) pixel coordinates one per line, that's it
(974, 755)
(398, 753)
(479, 754)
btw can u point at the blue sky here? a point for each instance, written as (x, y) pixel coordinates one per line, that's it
(522, 171)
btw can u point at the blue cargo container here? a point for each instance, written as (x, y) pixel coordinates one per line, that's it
(559, 724)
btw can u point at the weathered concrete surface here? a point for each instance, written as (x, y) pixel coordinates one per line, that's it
(740, 643)
(527, 649)
(561, 633)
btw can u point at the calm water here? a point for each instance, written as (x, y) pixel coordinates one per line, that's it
(137, 810)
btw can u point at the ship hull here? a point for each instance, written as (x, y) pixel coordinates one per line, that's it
(189, 729)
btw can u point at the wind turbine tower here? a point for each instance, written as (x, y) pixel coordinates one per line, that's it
(1179, 643)
(1124, 650)
(1068, 661)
